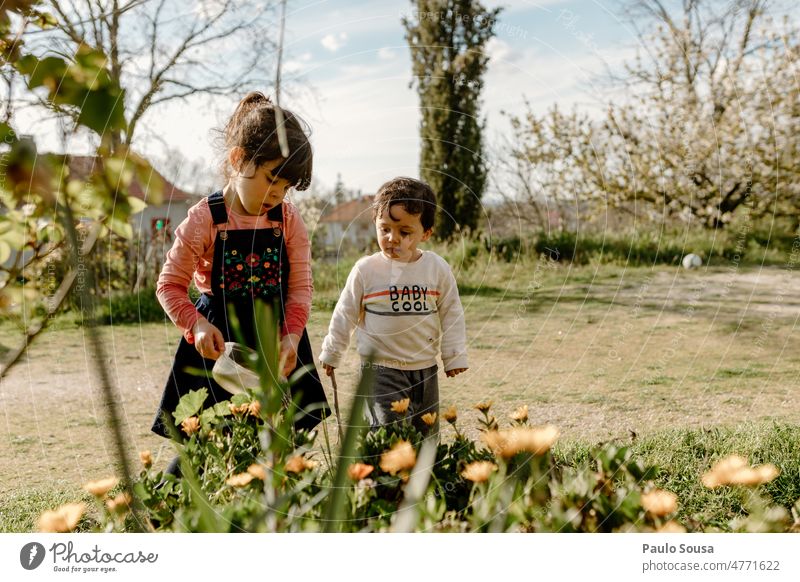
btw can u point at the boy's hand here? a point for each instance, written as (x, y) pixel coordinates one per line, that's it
(288, 358)
(328, 368)
(208, 340)
(455, 372)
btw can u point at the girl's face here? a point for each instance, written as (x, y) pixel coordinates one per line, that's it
(256, 189)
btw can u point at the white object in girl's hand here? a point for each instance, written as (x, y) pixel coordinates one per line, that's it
(234, 370)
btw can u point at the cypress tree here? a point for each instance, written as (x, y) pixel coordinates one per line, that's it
(448, 41)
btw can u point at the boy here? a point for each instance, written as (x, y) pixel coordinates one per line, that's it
(404, 304)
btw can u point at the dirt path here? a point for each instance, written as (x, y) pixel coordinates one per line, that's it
(600, 357)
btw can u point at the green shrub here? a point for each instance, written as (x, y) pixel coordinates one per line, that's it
(141, 307)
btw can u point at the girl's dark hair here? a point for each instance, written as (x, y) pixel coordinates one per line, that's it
(415, 196)
(253, 127)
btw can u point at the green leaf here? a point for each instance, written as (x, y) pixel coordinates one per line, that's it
(5, 251)
(208, 416)
(240, 398)
(7, 134)
(120, 227)
(222, 408)
(150, 181)
(49, 72)
(102, 111)
(190, 405)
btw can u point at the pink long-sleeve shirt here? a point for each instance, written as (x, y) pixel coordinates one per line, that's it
(192, 254)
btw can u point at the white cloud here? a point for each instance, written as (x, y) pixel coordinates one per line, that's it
(499, 50)
(333, 42)
(386, 54)
(298, 64)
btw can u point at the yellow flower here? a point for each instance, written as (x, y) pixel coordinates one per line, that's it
(63, 519)
(191, 425)
(535, 440)
(146, 458)
(400, 406)
(429, 418)
(484, 406)
(400, 457)
(478, 471)
(520, 414)
(298, 464)
(659, 502)
(733, 470)
(671, 527)
(257, 471)
(101, 487)
(359, 471)
(450, 415)
(120, 503)
(239, 480)
(254, 408)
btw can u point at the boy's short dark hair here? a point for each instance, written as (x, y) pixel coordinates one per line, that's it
(415, 196)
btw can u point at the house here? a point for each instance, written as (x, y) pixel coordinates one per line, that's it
(348, 227)
(153, 227)
(154, 220)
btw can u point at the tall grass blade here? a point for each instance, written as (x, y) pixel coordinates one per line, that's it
(405, 520)
(356, 425)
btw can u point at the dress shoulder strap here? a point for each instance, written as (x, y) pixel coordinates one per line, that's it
(216, 204)
(276, 214)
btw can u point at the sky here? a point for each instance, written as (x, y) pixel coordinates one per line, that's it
(349, 71)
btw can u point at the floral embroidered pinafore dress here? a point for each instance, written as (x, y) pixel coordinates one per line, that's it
(248, 265)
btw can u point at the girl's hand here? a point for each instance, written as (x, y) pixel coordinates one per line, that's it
(328, 369)
(455, 372)
(208, 340)
(288, 358)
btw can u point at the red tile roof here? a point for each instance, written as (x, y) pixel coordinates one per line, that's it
(81, 167)
(359, 210)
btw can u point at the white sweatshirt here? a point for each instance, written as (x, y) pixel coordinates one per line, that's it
(403, 313)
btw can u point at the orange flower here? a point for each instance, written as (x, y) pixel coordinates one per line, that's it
(450, 415)
(535, 440)
(254, 408)
(478, 471)
(659, 502)
(400, 406)
(63, 519)
(400, 457)
(359, 471)
(671, 527)
(257, 471)
(191, 425)
(429, 418)
(520, 414)
(239, 480)
(484, 406)
(101, 487)
(120, 503)
(733, 470)
(239, 410)
(298, 464)
(147, 459)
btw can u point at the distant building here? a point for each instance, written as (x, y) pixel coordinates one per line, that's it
(161, 219)
(155, 223)
(348, 226)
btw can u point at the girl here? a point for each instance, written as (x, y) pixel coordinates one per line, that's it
(239, 245)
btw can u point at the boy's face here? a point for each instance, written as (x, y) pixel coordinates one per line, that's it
(399, 233)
